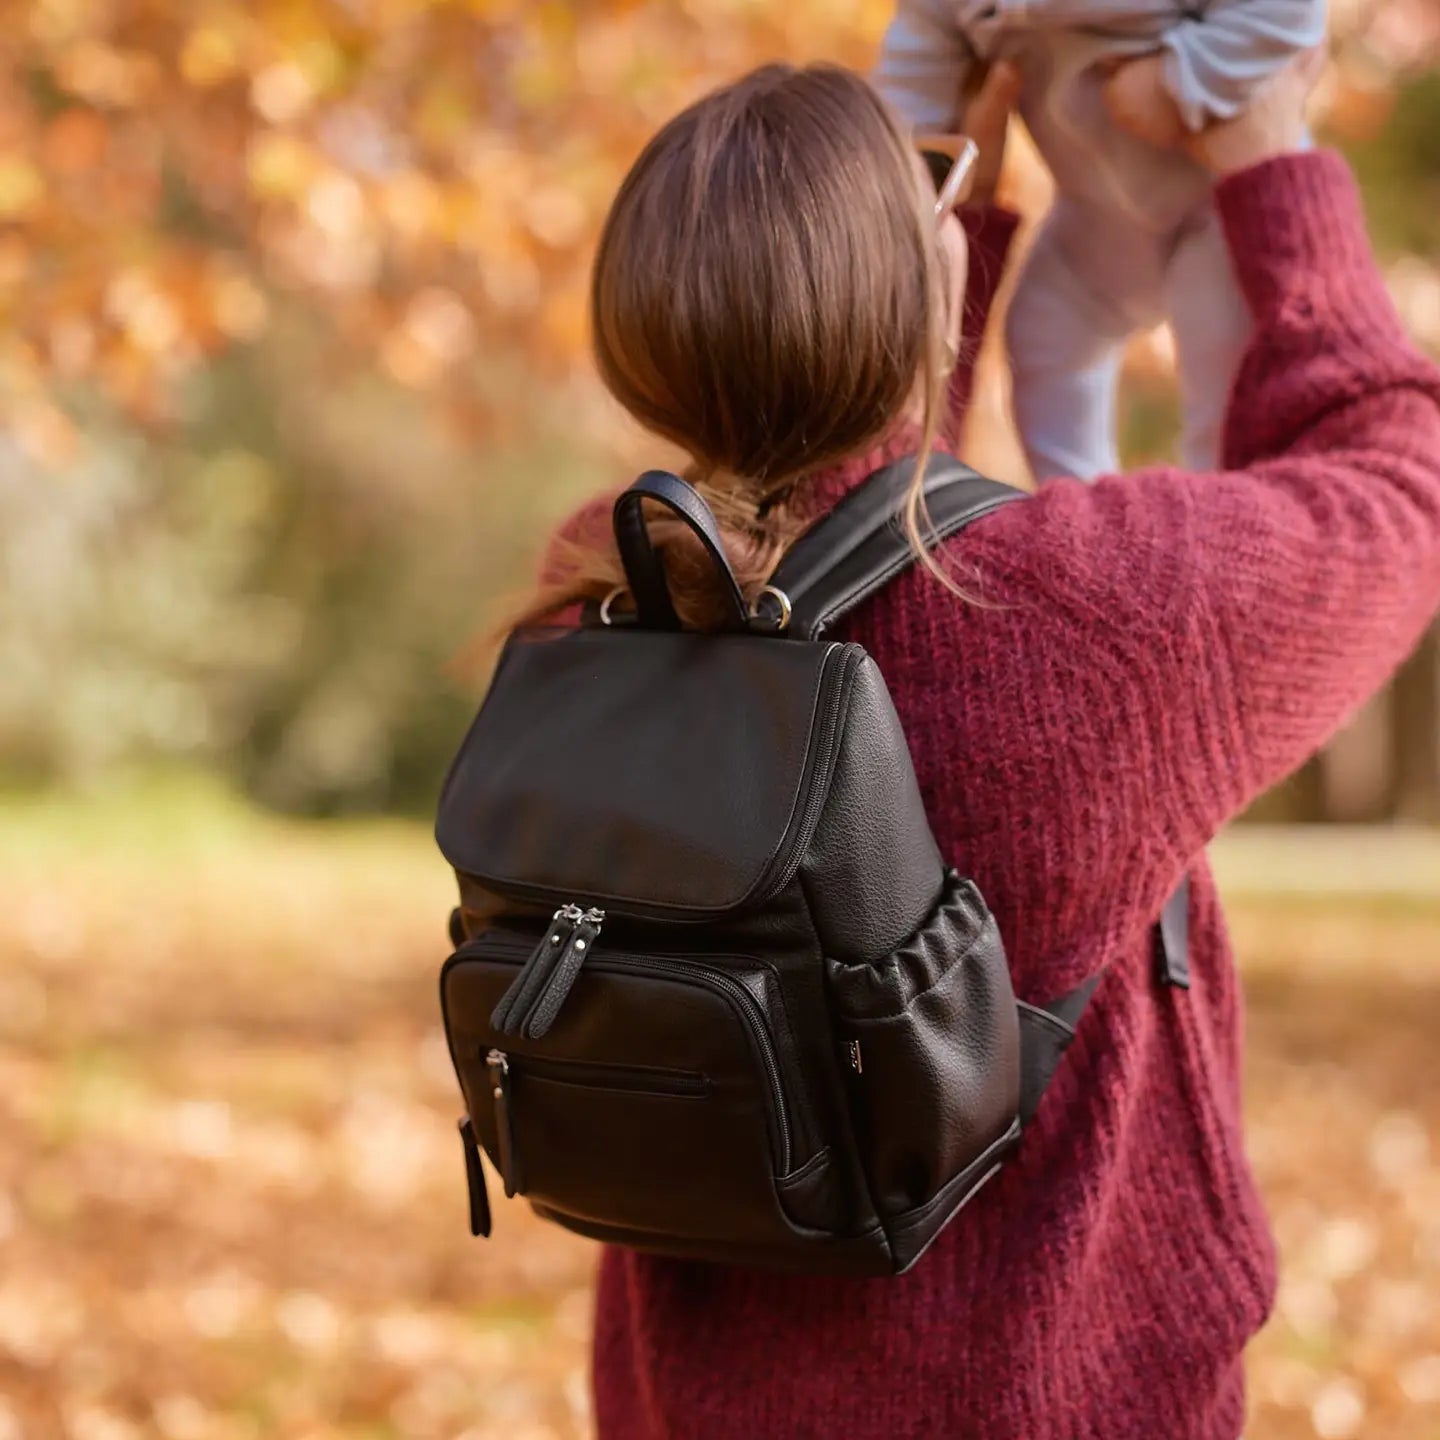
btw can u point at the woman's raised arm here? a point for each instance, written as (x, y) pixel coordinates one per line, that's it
(1313, 561)
(1310, 567)
(1217, 628)
(1203, 634)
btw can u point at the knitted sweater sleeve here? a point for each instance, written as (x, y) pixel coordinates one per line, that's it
(1229, 623)
(989, 234)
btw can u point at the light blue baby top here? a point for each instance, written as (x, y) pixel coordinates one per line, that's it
(1216, 53)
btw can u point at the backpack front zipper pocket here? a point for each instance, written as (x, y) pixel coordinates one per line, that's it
(632, 1079)
(622, 1079)
(749, 1010)
(660, 1079)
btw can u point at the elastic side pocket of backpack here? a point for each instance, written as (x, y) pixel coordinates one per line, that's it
(930, 1035)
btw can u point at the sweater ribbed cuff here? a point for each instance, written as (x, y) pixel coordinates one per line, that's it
(1294, 221)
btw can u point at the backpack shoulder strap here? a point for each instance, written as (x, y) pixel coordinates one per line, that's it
(1047, 1030)
(849, 553)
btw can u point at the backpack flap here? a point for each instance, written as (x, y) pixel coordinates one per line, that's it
(655, 774)
(639, 769)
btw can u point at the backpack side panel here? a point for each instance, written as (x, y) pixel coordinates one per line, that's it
(873, 871)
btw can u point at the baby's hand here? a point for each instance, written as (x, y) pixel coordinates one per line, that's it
(1139, 103)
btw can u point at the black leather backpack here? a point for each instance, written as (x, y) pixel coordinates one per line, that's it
(715, 993)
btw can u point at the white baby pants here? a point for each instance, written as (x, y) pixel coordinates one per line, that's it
(1091, 280)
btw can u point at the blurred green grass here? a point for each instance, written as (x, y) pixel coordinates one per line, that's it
(149, 815)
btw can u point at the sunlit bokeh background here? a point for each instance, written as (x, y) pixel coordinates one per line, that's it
(293, 382)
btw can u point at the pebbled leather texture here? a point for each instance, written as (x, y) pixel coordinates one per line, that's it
(644, 568)
(648, 1103)
(861, 544)
(873, 865)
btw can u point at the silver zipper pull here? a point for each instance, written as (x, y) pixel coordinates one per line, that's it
(852, 1056)
(498, 1064)
(534, 997)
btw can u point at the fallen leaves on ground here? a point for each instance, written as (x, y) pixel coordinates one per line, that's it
(231, 1204)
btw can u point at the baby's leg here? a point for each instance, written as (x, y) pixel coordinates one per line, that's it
(1212, 325)
(1065, 342)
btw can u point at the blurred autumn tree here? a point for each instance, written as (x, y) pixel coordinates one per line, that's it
(292, 356)
(427, 174)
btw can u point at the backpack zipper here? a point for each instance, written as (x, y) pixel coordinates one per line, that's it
(744, 1003)
(562, 973)
(601, 1075)
(510, 1009)
(533, 999)
(475, 1180)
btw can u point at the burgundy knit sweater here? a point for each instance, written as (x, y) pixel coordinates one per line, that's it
(1152, 651)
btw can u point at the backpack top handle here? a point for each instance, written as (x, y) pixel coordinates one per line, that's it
(645, 570)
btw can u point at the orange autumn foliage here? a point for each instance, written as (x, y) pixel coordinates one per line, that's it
(428, 173)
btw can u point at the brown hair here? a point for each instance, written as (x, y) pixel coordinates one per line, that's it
(768, 295)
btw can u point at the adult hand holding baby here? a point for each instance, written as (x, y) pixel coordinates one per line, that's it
(1272, 124)
(985, 117)
(1140, 103)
